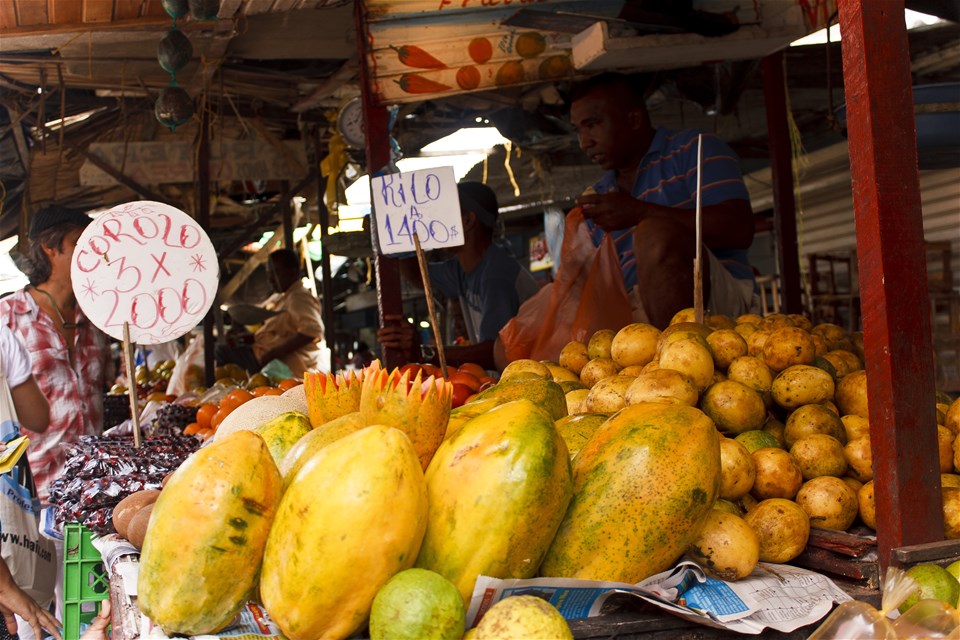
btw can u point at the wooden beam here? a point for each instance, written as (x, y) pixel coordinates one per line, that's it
(340, 77)
(781, 166)
(133, 185)
(389, 300)
(266, 215)
(890, 251)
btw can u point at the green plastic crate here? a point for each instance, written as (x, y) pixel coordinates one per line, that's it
(85, 580)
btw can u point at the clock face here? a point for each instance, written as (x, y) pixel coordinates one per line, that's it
(350, 123)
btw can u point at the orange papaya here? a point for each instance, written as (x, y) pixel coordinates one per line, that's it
(641, 486)
(206, 536)
(419, 408)
(497, 491)
(353, 516)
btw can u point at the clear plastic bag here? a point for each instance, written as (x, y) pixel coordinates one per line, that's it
(928, 618)
(855, 620)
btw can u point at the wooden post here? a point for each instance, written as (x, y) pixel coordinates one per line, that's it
(329, 319)
(286, 214)
(893, 292)
(203, 217)
(781, 167)
(389, 301)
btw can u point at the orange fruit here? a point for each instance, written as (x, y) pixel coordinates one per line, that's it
(234, 399)
(266, 391)
(460, 394)
(206, 433)
(468, 77)
(205, 414)
(480, 50)
(530, 44)
(466, 379)
(413, 368)
(428, 370)
(191, 429)
(473, 369)
(217, 419)
(289, 383)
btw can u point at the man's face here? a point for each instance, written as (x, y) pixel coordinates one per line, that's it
(604, 128)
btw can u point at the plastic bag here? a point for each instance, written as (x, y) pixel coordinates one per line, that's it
(587, 295)
(855, 620)
(928, 619)
(188, 371)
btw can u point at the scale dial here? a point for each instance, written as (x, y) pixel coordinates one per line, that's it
(350, 123)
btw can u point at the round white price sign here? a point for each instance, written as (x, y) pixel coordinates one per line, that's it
(148, 264)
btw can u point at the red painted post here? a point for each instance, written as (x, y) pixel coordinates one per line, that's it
(389, 300)
(892, 259)
(781, 167)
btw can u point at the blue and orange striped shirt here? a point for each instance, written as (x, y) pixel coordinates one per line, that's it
(668, 177)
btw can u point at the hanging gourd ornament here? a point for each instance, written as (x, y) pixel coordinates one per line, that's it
(175, 8)
(174, 106)
(174, 51)
(204, 9)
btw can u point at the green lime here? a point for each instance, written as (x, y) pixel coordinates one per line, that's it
(757, 439)
(954, 569)
(935, 582)
(417, 604)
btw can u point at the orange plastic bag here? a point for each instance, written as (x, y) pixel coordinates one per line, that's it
(587, 295)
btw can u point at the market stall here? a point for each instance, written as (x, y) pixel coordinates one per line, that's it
(270, 549)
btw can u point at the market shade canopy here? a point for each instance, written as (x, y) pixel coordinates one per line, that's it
(147, 264)
(421, 49)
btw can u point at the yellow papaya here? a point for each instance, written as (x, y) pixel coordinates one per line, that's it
(206, 537)
(466, 412)
(641, 486)
(546, 394)
(419, 408)
(317, 439)
(497, 491)
(282, 432)
(577, 429)
(353, 516)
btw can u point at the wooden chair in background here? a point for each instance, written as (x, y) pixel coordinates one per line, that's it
(834, 290)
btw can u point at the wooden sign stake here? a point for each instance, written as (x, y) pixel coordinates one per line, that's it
(428, 291)
(132, 391)
(697, 261)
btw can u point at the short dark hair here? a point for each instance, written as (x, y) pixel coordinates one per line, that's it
(286, 258)
(32, 260)
(630, 87)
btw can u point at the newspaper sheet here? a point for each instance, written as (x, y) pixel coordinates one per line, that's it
(777, 596)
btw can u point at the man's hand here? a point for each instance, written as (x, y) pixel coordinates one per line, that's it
(611, 211)
(396, 333)
(14, 601)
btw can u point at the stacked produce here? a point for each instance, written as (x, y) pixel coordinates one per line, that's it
(102, 471)
(722, 442)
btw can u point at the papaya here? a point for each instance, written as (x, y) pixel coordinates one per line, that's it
(642, 485)
(544, 393)
(282, 432)
(419, 408)
(577, 429)
(317, 439)
(466, 412)
(329, 397)
(207, 534)
(497, 491)
(353, 516)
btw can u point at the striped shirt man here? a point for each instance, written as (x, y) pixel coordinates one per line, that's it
(668, 176)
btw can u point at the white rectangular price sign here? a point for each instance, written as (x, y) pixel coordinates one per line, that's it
(424, 202)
